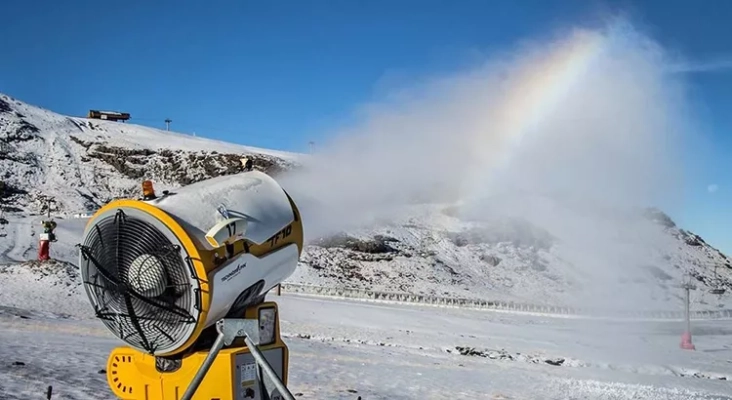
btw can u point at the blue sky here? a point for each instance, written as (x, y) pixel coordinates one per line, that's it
(281, 73)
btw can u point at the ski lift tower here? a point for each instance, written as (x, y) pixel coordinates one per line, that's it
(686, 342)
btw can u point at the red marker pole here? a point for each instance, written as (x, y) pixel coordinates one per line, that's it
(44, 247)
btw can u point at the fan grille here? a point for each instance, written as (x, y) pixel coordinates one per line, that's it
(139, 282)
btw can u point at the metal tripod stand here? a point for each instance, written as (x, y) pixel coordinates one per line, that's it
(230, 329)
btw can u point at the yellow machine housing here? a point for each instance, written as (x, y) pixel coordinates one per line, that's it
(133, 375)
(162, 272)
(213, 260)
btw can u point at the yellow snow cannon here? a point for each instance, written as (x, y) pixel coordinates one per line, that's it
(181, 279)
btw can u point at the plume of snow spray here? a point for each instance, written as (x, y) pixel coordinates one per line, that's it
(571, 134)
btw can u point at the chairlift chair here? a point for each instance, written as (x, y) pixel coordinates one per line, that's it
(717, 290)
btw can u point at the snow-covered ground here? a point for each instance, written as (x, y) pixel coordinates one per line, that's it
(528, 249)
(551, 253)
(341, 350)
(129, 135)
(21, 242)
(422, 258)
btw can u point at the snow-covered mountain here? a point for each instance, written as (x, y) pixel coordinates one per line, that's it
(83, 163)
(633, 259)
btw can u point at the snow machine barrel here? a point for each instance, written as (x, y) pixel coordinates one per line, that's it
(159, 272)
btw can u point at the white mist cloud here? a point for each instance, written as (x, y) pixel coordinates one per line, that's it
(566, 133)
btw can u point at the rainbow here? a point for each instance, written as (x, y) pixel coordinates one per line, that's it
(539, 89)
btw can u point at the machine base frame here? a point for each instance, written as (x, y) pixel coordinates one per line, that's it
(241, 372)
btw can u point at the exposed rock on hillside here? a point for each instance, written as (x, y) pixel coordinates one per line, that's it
(82, 164)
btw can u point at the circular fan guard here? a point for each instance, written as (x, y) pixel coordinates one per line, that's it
(156, 318)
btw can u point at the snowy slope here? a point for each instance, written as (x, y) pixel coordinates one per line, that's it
(342, 350)
(429, 254)
(632, 260)
(83, 163)
(430, 251)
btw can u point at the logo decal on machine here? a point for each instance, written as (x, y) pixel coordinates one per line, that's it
(233, 273)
